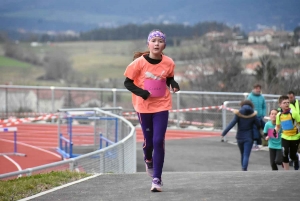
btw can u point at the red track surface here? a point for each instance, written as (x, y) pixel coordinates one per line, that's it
(38, 142)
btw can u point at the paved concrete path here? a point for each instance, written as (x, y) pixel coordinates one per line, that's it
(182, 186)
(195, 169)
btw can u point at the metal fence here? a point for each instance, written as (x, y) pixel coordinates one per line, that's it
(117, 158)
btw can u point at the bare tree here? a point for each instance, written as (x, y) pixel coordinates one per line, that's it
(266, 73)
(58, 67)
(218, 70)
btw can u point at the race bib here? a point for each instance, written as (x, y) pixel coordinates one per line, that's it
(270, 133)
(287, 125)
(157, 88)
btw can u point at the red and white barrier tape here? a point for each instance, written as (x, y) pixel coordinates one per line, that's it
(190, 109)
(45, 116)
(14, 121)
(181, 122)
(191, 123)
(24, 114)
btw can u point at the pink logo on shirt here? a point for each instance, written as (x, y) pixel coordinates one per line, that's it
(270, 133)
(157, 88)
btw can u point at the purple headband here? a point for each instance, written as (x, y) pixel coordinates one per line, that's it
(157, 34)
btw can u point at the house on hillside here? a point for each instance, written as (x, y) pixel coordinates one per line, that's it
(250, 68)
(282, 35)
(214, 35)
(193, 72)
(296, 50)
(229, 46)
(254, 51)
(261, 36)
(268, 35)
(287, 73)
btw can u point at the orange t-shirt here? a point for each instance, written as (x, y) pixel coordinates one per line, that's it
(140, 70)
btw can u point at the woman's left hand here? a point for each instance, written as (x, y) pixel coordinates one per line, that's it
(174, 90)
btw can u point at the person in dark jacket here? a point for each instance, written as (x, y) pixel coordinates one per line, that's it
(245, 118)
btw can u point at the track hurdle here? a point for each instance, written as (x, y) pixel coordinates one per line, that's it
(99, 124)
(15, 152)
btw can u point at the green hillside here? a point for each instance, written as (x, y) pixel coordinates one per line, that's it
(17, 72)
(8, 62)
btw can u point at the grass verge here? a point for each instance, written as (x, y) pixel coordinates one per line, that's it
(8, 62)
(16, 189)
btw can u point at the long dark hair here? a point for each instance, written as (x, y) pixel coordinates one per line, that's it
(138, 54)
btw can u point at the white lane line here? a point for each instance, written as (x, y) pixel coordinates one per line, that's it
(59, 187)
(34, 147)
(14, 162)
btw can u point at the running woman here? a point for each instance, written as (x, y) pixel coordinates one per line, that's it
(150, 77)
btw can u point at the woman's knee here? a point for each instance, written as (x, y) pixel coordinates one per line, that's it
(157, 143)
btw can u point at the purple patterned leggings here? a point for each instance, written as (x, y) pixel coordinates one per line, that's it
(154, 126)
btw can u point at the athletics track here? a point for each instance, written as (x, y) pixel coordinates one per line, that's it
(38, 142)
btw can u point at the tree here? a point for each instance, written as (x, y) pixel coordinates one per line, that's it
(16, 51)
(57, 67)
(218, 70)
(266, 73)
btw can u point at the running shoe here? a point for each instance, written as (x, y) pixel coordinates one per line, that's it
(156, 185)
(255, 148)
(149, 167)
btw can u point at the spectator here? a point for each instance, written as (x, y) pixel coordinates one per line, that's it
(259, 103)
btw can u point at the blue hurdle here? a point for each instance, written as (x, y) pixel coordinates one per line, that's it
(15, 152)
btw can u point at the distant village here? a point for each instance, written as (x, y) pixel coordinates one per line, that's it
(250, 50)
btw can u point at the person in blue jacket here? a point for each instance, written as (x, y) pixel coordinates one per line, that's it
(259, 103)
(245, 118)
